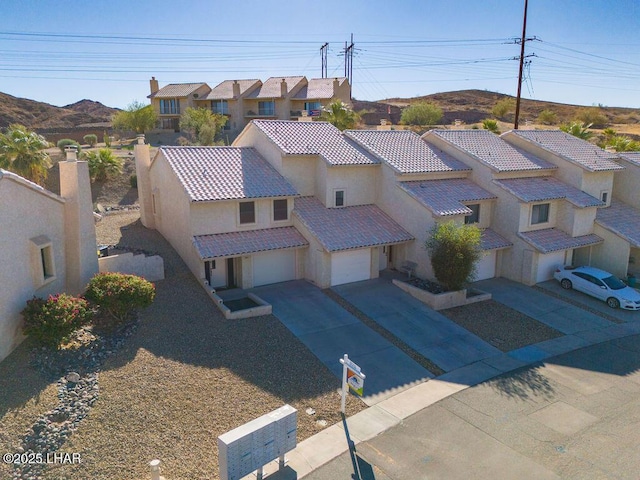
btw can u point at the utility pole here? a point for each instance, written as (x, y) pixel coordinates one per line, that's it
(323, 58)
(522, 42)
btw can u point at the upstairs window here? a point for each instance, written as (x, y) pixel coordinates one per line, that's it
(280, 210)
(44, 270)
(604, 196)
(475, 216)
(540, 213)
(339, 198)
(247, 212)
(169, 106)
(220, 106)
(267, 108)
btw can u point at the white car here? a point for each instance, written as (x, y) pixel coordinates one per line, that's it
(599, 284)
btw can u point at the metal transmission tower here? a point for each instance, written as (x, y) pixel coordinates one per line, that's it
(348, 63)
(323, 57)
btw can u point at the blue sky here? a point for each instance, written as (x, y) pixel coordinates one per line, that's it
(586, 52)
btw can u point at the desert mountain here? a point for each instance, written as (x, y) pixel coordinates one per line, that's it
(37, 115)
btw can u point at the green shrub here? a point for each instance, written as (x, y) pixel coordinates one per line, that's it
(107, 140)
(67, 142)
(53, 320)
(548, 117)
(119, 293)
(133, 181)
(421, 113)
(90, 139)
(491, 125)
(503, 107)
(455, 251)
(103, 164)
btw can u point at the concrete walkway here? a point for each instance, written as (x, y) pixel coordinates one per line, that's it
(428, 332)
(329, 332)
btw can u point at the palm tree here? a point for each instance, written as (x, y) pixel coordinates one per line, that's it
(22, 152)
(103, 164)
(340, 115)
(578, 129)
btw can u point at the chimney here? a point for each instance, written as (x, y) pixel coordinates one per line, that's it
(336, 85)
(80, 230)
(153, 83)
(236, 89)
(283, 88)
(143, 163)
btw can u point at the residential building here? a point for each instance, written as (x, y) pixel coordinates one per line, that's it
(244, 100)
(49, 243)
(172, 100)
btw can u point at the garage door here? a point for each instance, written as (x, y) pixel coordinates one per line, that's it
(547, 264)
(350, 266)
(486, 267)
(274, 267)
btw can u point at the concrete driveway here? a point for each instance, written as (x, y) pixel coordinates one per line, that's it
(329, 332)
(428, 332)
(554, 287)
(551, 311)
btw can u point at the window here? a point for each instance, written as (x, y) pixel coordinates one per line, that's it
(267, 108)
(540, 213)
(280, 210)
(220, 106)
(604, 196)
(169, 106)
(247, 212)
(43, 268)
(314, 108)
(475, 216)
(339, 198)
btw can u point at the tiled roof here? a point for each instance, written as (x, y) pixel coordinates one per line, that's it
(633, 157)
(490, 240)
(587, 155)
(349, 227)
(445, 197)
(174, 90)
(622, 219)
(249, 241)
(552, 240)
(491, 150)
(224, 90)
(537, 189)
(318, 89)
(406, 152)
(315, 138)
(225, 173)
(271, 87)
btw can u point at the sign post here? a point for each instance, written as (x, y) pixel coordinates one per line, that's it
(353, 378)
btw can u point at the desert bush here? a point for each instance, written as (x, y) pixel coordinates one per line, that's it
(421, 114)
(107, 139)
(90, 139)
(577, 129)
(503, 107)
(183, 141)
(593, 116)
(67, 142)
(103, 164)
(455, 251)
(52, 321)
(119, 293)
(547, 117)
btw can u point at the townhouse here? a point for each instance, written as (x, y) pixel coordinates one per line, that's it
(297, 199)
(241, 101)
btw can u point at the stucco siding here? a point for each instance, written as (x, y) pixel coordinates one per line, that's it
(626, 184)
(357, 182)
(583, 222)
(31, 215)
(595, 183)
(315, 261)
(613, 254)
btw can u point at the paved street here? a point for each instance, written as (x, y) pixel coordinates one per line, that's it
(574, 416)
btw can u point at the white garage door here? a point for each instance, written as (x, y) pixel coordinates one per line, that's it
(274, 267)
(486, 267)
(547, 264)
(350, 266)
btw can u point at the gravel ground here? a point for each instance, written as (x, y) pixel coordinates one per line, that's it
(504, 328)
(185, 377)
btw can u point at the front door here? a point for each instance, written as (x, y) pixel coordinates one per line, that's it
(231, 277)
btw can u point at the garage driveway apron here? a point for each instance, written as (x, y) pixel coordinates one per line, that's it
(428, 332)
(329, 332)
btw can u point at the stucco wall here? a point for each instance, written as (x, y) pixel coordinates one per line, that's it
(583, 221)
(613, 254)
(31, 214)
(626, 184)
(150, 268)
(358, 182)
(594, 183)
(316, 262)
